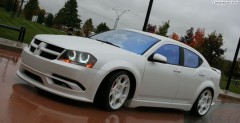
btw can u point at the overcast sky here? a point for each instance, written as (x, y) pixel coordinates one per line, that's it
(183, 14)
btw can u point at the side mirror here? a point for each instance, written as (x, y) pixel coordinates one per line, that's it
(158, 58)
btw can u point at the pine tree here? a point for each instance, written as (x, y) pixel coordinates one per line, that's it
(59, 18)
(49, 20)
(102, 27)
(68, 15)
(88, 27)
(163, 30)
(41, 16)
(31, 9)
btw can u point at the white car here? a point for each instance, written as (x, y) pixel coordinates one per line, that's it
(121, 67)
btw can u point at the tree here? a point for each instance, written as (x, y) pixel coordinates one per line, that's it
(31, 8)
(151, 28)
(59, 18)
(71, 17)
(162, 30)
(175, 36)
(199, 38)
(41, 16)
(102, 27)
(10, 5)
(49, 20)
(211, 49)
(87, 27)
(2, 3)
(226, 67)
(189, 39)
(68, 15)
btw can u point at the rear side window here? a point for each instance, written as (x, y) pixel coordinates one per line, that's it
(191, 59)
(171, 52)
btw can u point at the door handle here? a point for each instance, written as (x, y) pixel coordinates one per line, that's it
(177, 71)
(201, 74)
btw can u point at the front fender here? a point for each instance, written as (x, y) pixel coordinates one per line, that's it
(136, 70)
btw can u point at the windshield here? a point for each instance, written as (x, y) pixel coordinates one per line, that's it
(128, 40)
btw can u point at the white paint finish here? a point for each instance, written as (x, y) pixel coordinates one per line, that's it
(157, 84)
(160, 82)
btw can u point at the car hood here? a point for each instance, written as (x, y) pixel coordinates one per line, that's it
(81, 44)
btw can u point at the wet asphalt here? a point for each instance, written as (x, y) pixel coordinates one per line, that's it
(22, 103)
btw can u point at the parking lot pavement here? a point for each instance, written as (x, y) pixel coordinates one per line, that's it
(22, 103)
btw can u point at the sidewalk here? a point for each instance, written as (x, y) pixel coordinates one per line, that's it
(18, 46)
(11, 45)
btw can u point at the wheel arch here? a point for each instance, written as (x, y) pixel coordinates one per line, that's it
(204, 85)
(132, 86)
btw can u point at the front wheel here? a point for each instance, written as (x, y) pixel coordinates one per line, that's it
(115, 91)
(203, 103)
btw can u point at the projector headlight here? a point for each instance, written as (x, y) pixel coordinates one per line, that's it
(78, 58)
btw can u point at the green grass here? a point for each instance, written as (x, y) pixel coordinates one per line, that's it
(32, 28)
(232, 87)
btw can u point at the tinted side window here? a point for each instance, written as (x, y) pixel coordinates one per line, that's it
(190, 59)
(171, 52)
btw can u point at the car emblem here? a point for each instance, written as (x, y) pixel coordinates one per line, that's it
(38, 49)
(42, 44)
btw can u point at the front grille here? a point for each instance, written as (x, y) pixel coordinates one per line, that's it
(33, 76)
(70, 80)
(48, 55)
(54, 48)
(45, 50)
(32, 49)
(37, 42)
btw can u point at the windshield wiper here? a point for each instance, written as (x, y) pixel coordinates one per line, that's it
(107, 42)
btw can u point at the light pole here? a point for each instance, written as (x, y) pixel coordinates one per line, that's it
(118, 17)
(147, 16)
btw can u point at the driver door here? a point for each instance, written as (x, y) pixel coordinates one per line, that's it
(160, 80)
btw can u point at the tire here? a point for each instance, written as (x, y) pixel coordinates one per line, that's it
(114, 91)
(203, 103)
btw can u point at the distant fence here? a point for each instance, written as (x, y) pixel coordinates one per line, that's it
(21, 31)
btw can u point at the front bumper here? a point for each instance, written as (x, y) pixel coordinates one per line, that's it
(64, 79)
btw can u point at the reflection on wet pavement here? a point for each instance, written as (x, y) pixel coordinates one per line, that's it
(8, 63)
(45, 107)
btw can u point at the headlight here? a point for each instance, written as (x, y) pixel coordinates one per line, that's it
(78, 58)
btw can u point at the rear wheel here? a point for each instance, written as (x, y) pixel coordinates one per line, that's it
(114, 91)
(203, 103)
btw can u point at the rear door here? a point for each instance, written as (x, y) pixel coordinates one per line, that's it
(191, 76)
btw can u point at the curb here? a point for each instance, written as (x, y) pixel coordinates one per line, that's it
(15, 49)
(11, 45)
(225, 96)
